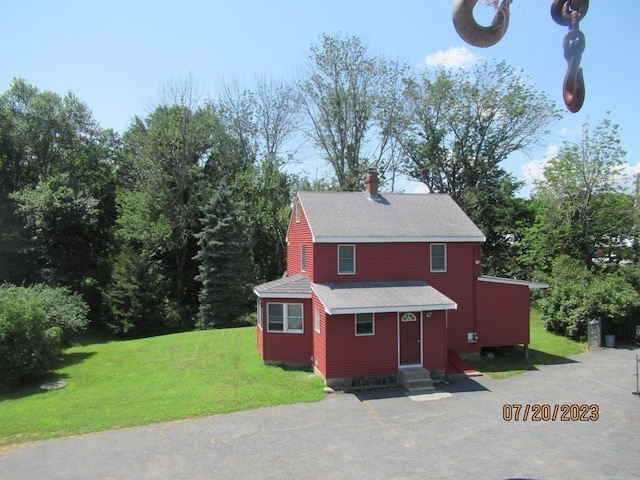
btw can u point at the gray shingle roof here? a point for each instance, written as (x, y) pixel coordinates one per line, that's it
(377, 297)
(295, 286)
(348, 216)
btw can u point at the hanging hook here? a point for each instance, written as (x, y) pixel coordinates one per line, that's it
(472, 32)
(573, 88)
(561, 11)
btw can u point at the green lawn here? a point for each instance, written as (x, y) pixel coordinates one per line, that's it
(137, 382)
(545, 349)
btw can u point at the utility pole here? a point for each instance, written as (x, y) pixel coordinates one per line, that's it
(636, 217)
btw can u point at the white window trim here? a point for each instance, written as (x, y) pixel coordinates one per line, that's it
(259, 320)
(285, 318)
(354, 258)
(317, 319)
(431, 257)
(297, 211)
(303, 258)
(373, 326)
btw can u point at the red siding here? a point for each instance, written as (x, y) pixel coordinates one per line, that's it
(298, 234)
(434, 341)
(320, 339)
(374, 262)
(287, 347)
(410, 261)
(503, 314)
(458, 283)
(349, 355)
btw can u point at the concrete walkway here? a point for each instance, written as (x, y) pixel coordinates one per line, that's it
(458, 433)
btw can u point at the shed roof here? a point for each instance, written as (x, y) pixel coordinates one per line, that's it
(378, 297)
(355, 217)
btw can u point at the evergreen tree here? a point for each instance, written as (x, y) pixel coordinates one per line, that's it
(225, 263)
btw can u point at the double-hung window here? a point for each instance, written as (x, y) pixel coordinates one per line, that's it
(285, 317)
(438, 257)
(365, 324)
(346, 259)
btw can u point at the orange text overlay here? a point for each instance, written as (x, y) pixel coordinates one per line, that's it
(543, 412)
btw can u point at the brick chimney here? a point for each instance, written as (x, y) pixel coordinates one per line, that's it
(372, 183)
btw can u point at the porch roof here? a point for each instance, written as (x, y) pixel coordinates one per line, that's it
(378, 297)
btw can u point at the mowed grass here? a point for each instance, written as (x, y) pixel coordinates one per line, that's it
(138, 382)
(546, 348)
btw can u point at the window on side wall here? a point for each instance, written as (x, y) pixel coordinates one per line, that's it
(285, 317)
(260, 313)
(316, 320)
(438, 257)
(346, 259)
(303, 258)
(365, 324)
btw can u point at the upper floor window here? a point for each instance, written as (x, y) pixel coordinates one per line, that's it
(438, 257)
(346, 259)
(303, 258)
(285, 317)
(297, 209)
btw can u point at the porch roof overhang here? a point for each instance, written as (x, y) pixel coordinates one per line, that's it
(380, 297)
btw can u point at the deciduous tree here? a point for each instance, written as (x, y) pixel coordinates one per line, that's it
(458, 127)
(349, 99)
(584, 205)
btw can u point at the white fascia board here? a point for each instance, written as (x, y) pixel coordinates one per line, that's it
(398, 239)
(513, 281)
(402, 309)
(281, 295)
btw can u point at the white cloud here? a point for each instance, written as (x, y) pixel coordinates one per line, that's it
(569, 132)
(627, 176)
(421, 188)
(452, 57)
(532, 170)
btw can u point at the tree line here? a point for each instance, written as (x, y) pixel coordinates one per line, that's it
(167, 226)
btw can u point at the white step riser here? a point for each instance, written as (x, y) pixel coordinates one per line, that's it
(415, 379)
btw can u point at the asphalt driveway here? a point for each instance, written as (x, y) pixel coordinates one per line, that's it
(458, 433)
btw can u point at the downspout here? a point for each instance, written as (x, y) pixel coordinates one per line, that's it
(477, 269)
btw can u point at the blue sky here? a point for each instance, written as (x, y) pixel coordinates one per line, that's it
(117, 55)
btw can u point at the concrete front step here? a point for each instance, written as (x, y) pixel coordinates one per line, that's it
(415, 379)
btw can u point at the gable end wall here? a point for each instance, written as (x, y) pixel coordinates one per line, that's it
(299, 233)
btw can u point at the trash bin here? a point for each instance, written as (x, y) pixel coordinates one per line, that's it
(610, 341)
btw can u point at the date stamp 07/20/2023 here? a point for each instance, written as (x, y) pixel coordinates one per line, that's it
(544, 412)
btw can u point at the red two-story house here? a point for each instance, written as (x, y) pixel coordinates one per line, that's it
(377, 282)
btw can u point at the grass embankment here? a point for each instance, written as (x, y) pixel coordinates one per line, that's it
(546, 348)
(137, 382)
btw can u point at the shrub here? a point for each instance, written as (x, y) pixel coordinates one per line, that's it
(36, 323)
(61, 308)
(577, 295)
(28, 347)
